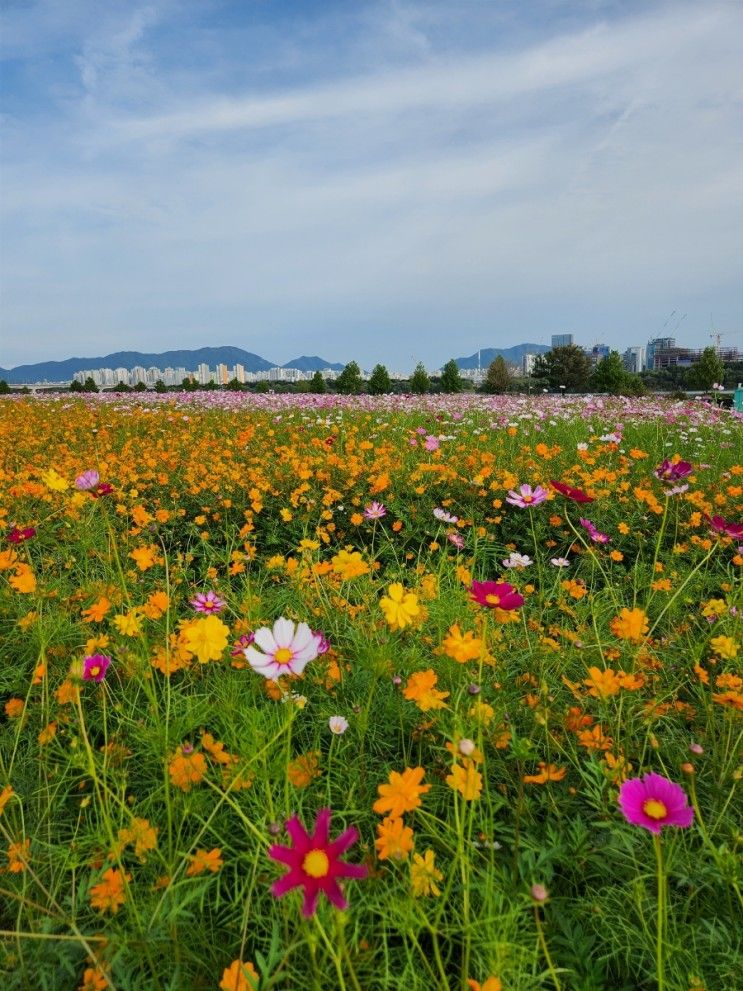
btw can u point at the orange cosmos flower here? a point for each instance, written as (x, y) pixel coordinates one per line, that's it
(239, 976)
(403, 792)
(108, 895)
(395, 839)
(602, 684)
(187, 768)
(547, 772)
(204, 860)
(630, 624)
(420, 689)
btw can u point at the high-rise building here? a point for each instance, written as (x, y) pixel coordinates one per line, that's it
(634, 359)
(527, 364)
(238, 372)
(658, 344)
(562, 340)
(204, 374)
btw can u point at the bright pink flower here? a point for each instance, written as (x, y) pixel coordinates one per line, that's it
(577, 495)
(432, 443)
(285, 650)
(722, 526)
(374, 511)
(17, 536)
(595, 535)
(494, 595)
(95, 667)
(654, 802)
(323, 644)
(667, 471)
(239, 647)
(526, 496)
(208, 603)
(314, 863)
(103, 489)
(87, 480)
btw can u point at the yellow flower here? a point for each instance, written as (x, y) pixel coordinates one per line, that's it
(724, 647)
(207, 638)
(349, 566)
(129, 624)
(424, 875)
(602, 684)
(400, 608)
(54, 481)
(466, 779)
(24, 580)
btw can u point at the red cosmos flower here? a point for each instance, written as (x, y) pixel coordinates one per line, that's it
(496, 595)
(722, 526)
(314, 863)
(103, 489)
(17, 536)
(577, 495)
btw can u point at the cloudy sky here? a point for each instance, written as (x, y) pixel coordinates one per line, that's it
(381, 181)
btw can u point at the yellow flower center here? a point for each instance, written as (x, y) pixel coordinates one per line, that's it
(94, 671)
(527, 498)
(655, 809)
(283, 655)
(316, 863)
(492, 600)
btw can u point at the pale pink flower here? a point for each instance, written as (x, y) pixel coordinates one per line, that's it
(286, 649)
(526, 496)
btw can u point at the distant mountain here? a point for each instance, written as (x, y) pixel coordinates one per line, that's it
(62, 371)
(512, 356)
(313, 364)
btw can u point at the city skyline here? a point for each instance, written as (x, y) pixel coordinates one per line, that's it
(376, 176)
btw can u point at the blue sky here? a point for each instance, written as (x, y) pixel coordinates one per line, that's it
(384, 181)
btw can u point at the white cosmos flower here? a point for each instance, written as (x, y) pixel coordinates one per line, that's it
(286, 649)
(560, 562)
(517, 561)
(338, 725)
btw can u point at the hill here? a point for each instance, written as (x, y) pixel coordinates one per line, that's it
(313, 364)
(512, 356)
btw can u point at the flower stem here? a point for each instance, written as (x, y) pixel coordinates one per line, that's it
(661, 921)
(545, 949)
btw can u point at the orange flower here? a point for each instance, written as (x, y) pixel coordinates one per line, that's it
(403, 792)
(239, 976)
(462, 647)
(187, 768)
(304, 768)
(5, 796)
(24, 580)
(18, 856)
(142, 835)
(204, 860)
(14, 708)
(547, 772)
(108, 895)
(594, 739)
(602, 684)
(630, 624)
(575, 588)
(156, 605)
(96, 612)
(47, 734)
(93, 980)
(492, 984)
(145, 557)
(67, 692)
(420, 689)
(466, 779)
(394, 839)
(733, 699)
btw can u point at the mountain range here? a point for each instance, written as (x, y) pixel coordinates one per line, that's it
(62, 371)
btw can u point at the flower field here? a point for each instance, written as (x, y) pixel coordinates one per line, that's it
(324, 693)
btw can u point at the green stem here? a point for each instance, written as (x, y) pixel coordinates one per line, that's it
(661, 912)
(545, 949)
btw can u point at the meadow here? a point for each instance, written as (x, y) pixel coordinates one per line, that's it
(467, 666)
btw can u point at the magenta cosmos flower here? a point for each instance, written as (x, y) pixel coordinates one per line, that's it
(375, 511)
(95, 667)
(722, 526)
(526, 496)
(87, 480)
(654, 802)
(18, 535)
(286, 649)
(207, 603)
(577, 495)
(102, 489)
(594, 534)
(496, 595)
(314, 862)
(667, 471)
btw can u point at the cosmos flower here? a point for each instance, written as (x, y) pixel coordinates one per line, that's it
(286, 649)
(577, 495)
(494, 595)
(432, 443)
(654, 802)
(87, 480)
(457, 539)
(375, 511)
(444, 517)
(207, 603)
(594, 534)
(314, 862)
(95, 667)
(515, 560)
(338, 725)
(559, 562)
(18, 535)
(722, 526)
(103, 489)
(526, 496)
(667, 471)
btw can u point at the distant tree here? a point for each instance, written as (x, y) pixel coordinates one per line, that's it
(160, 386)
(709, 370)
(233, 385)
(451, 380)
(4, 387)
(610, 375)
(568, 366)
(498, 379)
(263, 386)
(122, 387)
(89, 385)
(25, 391)
(317, 383)
(77, 386)
(349, 382)
(140, 387)
(420, 383)
(380, 382)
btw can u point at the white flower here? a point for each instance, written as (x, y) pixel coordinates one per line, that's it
(338, 725)
(286, 649)
(582, 446)
(515, 560)
(443, 516)
(560, 562)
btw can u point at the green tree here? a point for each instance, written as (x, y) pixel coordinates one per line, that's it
(380, 382)
(709, 370)
(160, 386)
(497, 380)
(89, 385)
(610, 375)
(121, 387)
(233, 385)
(263, 386)
(4, 387)
(317, 383)
(349, 382)
(451, 380)
(420, 383)
(567, 366)
(140, 387)
(76, 386)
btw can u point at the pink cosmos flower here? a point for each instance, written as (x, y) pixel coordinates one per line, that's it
(87, 480)
(95, 667)
(432, 443)
(323, 644)
(286, 649)
(245, 641)
(17, 536)
(667, 471)
(375, 511)
(654, 802)
(594, 534)
(457, 539)
(526, 496)
(207, 603)
(577, 495)
(722, 526)
(494, 595)
(314, 862)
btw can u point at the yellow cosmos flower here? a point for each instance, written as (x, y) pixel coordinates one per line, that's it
(54, 481)
(349, 566)
(725, 647)
(400, 608)
(424, 875)
(207, 638)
